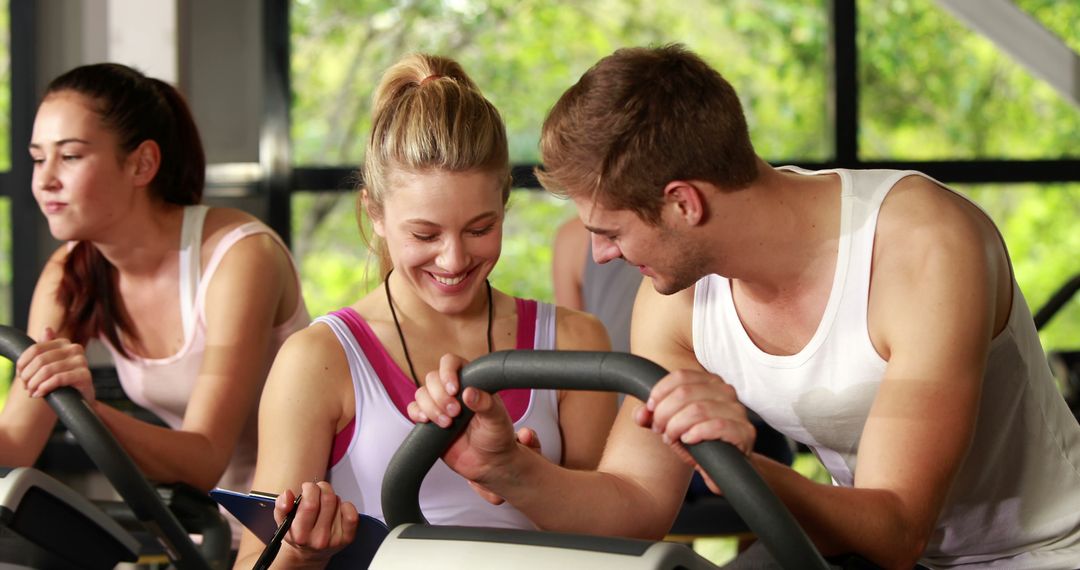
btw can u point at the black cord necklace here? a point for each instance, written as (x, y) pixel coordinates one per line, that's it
(401, 335)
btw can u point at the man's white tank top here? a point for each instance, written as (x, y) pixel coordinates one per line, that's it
(1015, 502)
(382, 390)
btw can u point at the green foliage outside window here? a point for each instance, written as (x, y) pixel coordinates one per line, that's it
(1039, 225)
(931, 89)
(524, 53)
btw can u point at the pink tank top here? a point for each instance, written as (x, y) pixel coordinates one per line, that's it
(164, 385)
(382, 391)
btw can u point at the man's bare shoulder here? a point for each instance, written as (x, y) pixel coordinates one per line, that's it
(919, 208)
(662, 323)
(921, 219)
(649, 299)
(932, 245)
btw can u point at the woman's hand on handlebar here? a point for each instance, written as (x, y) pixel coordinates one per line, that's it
(52, 363)
(487, 442)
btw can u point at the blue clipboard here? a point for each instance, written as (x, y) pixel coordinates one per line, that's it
(255, 510)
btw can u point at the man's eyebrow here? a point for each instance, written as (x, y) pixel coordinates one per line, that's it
(599, 231)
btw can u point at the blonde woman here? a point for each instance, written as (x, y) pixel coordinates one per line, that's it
(436, 180)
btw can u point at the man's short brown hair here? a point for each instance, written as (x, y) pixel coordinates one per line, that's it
(638, 119)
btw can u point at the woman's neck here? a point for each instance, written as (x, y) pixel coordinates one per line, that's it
(143, 241)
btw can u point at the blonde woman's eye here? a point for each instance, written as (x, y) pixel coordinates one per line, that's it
(425, 237)
(482, 231)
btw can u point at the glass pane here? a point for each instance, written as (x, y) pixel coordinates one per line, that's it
(333, 258)
(5, 86)
(525, 53)
(930, 88)
(7, 370)
(1039, 225)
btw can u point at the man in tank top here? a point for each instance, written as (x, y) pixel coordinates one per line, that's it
(871, 315)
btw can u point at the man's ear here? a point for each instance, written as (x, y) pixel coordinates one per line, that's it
(146, 160)
(376, 220)
(685, 201)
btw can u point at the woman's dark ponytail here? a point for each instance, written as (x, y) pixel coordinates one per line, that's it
(91, 301)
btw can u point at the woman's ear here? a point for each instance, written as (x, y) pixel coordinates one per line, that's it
(683, 200)
(376, 220)
(145, 161)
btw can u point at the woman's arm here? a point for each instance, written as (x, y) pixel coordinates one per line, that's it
(26, 422)
(308, 397)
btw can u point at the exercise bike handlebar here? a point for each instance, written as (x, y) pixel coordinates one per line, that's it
(744, 488)
(105, 451)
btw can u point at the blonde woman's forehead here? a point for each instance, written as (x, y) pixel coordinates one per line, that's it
(433, 195)
(432, 183)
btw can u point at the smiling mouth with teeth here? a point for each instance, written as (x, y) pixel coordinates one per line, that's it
(449, 280)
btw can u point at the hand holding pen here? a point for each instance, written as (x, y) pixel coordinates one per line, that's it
(318, 525)
(270, 552)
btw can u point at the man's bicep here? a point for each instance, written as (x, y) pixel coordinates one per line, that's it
(661, 328)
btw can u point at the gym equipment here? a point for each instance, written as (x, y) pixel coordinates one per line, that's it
(51, 526)
(412, 542)
(103, 449)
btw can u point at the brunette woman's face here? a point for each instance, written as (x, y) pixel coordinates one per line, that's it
(443, 231)
(80, 181)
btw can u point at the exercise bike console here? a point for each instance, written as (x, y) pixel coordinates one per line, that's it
(36, 508)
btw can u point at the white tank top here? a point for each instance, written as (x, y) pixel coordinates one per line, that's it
(1015, 502)
(381, 389)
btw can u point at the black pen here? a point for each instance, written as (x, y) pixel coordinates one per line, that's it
(272, 547)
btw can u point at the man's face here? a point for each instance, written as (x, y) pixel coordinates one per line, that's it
(660, 252)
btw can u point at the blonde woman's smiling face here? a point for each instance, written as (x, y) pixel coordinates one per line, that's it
(443, 232)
